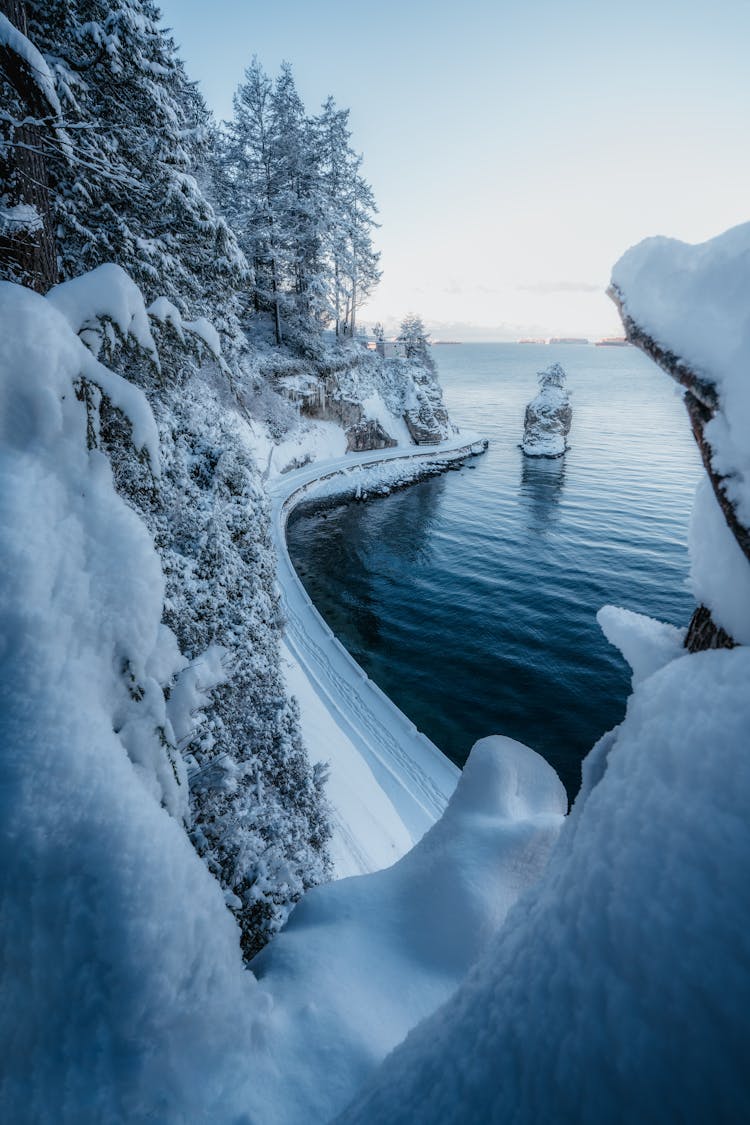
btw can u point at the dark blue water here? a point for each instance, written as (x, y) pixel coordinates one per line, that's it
(471, 598)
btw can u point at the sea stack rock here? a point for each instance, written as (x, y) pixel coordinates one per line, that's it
(548, 416)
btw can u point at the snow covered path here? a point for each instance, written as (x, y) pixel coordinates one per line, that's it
(386, 800)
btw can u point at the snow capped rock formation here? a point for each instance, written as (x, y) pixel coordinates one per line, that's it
(547, 420)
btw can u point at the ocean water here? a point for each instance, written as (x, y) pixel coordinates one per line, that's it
(471, 598)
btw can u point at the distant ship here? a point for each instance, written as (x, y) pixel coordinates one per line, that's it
(567, 340)
(613, 342)
(532, 340)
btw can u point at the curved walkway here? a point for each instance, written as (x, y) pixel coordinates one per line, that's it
(415, 776)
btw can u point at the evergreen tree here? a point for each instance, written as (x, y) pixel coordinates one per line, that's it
(129, 193)
(29, 124)
(414, 336)
(253, 171)
(352, 263)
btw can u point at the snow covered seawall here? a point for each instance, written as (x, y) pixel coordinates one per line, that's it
(388, 782)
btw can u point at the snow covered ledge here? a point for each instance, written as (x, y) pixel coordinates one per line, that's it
(389, 783)
(686, 307)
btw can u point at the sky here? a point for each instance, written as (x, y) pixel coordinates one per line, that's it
(516, 149)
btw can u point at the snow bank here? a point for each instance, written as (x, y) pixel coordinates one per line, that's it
(362, 959)
(618, 989)
(122, 987)
(375, 409)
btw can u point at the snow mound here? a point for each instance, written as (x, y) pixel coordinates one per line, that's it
(646, 644)
(362, 959)
(547, 419)
(618, 988)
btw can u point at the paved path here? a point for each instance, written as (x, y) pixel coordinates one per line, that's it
(417, 778)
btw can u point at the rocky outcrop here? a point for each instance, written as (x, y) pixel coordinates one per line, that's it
(548, 417)
(368, 434)
(425, 415)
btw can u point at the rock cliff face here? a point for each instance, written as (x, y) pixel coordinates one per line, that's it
(378, 402)
(548, 417)
(425, 415)
(368, 435)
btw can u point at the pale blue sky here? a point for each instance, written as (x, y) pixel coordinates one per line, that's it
(515, 149)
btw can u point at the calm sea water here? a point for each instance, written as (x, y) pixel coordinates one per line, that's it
(471, 598)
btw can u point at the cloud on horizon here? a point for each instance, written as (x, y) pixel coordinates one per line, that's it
(547, 288)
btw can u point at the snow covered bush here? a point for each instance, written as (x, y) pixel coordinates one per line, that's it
(257, 811)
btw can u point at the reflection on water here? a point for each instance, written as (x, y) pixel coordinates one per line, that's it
(373, 543)
(541, 487)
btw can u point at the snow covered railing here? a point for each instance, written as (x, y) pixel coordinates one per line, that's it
(415, 775)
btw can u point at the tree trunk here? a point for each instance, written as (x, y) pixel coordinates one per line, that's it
(29, 257)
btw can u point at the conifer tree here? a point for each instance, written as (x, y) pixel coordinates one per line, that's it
(129, 194)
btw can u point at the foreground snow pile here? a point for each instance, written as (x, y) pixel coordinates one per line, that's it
(123, 994)
(363, 959)
(618, 989)
(547, 419)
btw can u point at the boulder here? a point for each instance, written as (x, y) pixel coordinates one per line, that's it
(368, 434)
